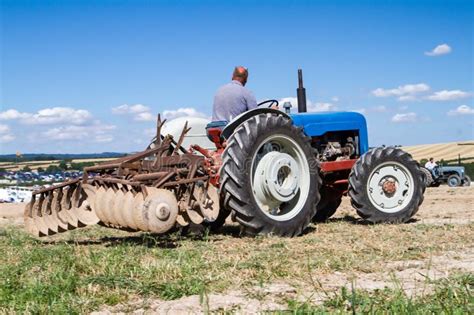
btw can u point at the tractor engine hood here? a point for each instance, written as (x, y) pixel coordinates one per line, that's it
(318, 123)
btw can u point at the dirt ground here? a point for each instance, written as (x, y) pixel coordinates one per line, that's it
(442, 206)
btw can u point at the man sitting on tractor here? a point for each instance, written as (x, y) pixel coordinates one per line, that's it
(233, 98)
(431, 166)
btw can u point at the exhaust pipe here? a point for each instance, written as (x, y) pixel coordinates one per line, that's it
(301, 93)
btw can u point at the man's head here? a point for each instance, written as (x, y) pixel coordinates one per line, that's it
(431, 160)
(240, 74)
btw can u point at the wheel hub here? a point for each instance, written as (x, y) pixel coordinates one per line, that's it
(162, 211)
(389, 187)
(276, 178)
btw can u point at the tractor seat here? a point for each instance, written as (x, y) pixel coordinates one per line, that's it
(214, 131)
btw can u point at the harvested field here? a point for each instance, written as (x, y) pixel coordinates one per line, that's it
(445, 151)
(343, 265)
(44, 164)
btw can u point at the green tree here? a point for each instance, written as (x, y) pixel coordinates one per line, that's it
(26, 168)
(63, 165)
(40, 170)
(53, 169)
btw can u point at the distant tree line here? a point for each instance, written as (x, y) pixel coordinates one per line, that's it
(49, 157)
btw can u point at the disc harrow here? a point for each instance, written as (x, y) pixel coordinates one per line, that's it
(162, 187)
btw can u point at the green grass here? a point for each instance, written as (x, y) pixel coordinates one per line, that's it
(82, 270)
(453, 295)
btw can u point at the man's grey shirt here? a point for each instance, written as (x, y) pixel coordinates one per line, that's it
(231, 100)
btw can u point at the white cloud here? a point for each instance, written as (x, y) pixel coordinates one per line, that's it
(98, 132)
(311, 107)
(145, 116)
(462, 110)
(405, 92)
(335, 99)
(321, 107)
(5, 134)
(446, 95)
(130, 109)
(406, 117)
(12, 114)
(6, 138)
(46, 116)
(57, 115)
(439, 50)
(4, 129)
(183, 112)
(139, 112)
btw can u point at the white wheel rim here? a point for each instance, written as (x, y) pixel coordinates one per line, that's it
(280, 177)
(390, 187)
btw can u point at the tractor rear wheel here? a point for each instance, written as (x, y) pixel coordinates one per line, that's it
(467, 181)
(269, 176)
(428, 180)
(454, 180)
(385, 186)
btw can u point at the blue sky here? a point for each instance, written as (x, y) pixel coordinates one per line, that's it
(90, 76)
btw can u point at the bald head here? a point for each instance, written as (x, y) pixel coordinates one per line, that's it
(240, 74)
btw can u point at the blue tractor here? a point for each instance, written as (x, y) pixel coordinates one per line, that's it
(453, 176)
(280, 171)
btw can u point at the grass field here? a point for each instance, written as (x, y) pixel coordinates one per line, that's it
(81, 271)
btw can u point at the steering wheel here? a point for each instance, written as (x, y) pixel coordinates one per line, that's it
(270, 102)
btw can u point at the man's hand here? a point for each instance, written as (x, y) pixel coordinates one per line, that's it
(274, 107)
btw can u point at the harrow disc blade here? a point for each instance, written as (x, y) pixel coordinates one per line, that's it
(160, 210)
(55, 209)
(41, 220)
(125, 212)
(138, 217)
(109, 205)
(118, 209)
(30, 225)
(65, 215)
(81, 208)
(129, 216)
(208, 200)
(99, 203)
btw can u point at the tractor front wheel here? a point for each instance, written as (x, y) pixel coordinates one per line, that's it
(454, 180)
(385, 186)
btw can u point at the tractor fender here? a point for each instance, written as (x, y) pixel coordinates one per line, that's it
(237, 121)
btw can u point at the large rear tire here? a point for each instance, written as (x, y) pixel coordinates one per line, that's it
(385, 186)
(269, 176)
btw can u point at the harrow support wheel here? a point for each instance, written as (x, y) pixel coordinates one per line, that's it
(269, 177)
(385, 186)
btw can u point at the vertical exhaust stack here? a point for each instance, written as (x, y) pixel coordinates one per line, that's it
(301, 93)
